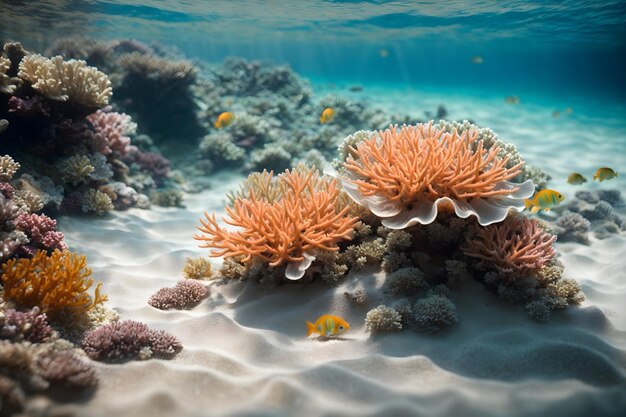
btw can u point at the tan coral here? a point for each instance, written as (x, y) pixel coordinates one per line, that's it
(70, 80)
(402, 175)
(300, 217)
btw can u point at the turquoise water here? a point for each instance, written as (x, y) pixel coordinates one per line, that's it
(564, 49)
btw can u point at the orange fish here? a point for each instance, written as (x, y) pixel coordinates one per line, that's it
(327, 325)
(224, 119)
(327, 115)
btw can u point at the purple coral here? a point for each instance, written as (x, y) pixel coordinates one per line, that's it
(29, 325)
(184, 295)
(127, 340)
(41, 232)
(154, 163)
(68, 369)
(112, 130)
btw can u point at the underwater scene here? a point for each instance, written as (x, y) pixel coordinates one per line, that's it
(312, 208)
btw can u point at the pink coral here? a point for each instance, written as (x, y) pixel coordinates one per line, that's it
(517, 247)
(41, 232)
(120, 341)
(112, 130)
(183, 296)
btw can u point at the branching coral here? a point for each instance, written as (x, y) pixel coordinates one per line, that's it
(75, 169)
(7, 85)
(126, 340)
(112, 132)
(69, 80)
(41, 232)
(515, 248)
(97, 202)
(298, 216)
(8, 167)
(58, 283)
(402, 175)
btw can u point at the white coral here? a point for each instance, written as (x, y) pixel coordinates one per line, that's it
(383, 319)
(70, 80)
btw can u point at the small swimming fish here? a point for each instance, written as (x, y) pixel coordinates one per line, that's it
(356, 88)
(556, 113)
(224, 119)
(327, 115)
(604, 173)
(327, 325)
(576, 179)
(383, 53)
(477, 59)
(569, 110)
(544, 200)
(512, 100)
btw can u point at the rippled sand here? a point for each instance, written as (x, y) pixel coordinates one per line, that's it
(245, 351)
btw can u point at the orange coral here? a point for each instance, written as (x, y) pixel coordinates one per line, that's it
(419, 162)
(402, 174)
(516, 247)
(301, 214)
(57, 283)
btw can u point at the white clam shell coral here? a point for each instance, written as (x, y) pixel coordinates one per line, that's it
(487, 210)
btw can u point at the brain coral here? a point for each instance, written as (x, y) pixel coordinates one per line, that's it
(281, 220)
(404, 175)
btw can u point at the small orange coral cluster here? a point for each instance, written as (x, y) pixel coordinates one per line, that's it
(57, 283)
(282, 220)
(516, 247)
(420, 162)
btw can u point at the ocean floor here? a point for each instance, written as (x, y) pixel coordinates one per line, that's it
(245, 347)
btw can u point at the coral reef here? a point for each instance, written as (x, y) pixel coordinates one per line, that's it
(128, 340)
(112, 132)
(57, 283)
(185, 295)
(298, 216)
(403, 175)
(68, 369)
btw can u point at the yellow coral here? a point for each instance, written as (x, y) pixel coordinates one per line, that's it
(57, 283)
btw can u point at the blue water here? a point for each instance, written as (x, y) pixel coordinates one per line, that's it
(561, 49)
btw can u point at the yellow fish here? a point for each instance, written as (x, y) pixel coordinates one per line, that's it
(512, 100)
(327, 325)
(576, 179)
(604, 174)
(327, 115)
(477, 59)
(544, 200)
(383, 53)
(224, 119)
(569, 110)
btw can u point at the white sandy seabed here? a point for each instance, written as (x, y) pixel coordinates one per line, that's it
(245, 350)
